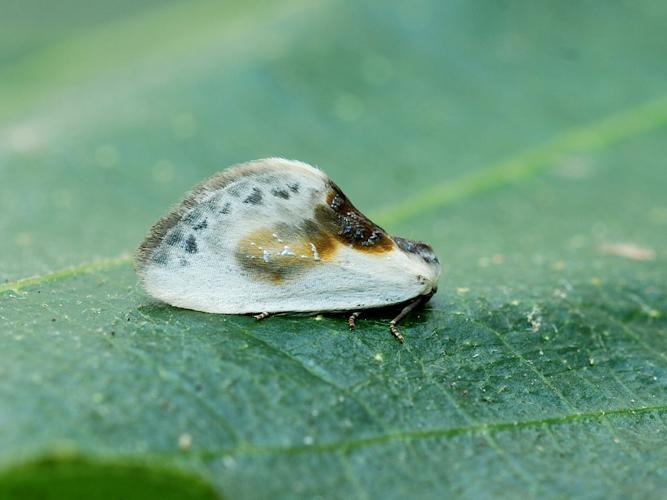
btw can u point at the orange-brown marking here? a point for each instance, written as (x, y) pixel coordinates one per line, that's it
(263, 254)
(285, 251)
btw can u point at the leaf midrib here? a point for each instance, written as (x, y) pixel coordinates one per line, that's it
(476, 428)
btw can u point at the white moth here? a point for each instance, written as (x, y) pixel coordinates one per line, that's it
(276, 235)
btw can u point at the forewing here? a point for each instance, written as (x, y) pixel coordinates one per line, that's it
(272, 235)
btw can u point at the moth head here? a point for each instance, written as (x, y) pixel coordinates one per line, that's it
(423, 254)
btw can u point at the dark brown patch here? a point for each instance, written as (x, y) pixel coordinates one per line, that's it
(350, 226)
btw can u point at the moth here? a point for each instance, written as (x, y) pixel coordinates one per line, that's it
(278, 236)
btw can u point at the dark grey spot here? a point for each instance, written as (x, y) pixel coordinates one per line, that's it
(191, 245)
(226, 209)
(202, 225)
(294, 187)
(280, 193)
(255, 198)
(174, 237)
(192, 216)
(183, 262)
(160, 258)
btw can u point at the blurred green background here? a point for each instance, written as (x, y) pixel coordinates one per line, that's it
(525, 140)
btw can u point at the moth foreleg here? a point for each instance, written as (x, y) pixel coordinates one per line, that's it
(352, 320)
(404, 312)
(261, 316)
(394, 331)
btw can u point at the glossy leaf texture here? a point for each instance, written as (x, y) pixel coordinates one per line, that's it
(526, 141)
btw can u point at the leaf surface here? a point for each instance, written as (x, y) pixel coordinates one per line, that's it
(525, 142)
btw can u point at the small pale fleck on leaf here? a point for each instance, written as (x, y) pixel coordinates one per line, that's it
(630, 251)
(534, 319)
(184, 441)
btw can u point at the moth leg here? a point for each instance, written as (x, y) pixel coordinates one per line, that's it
(261, 316)
(352, 320)
(406, 310)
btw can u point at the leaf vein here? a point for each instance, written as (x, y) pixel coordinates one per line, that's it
(435, 433)
(596, 135)
(86, 267)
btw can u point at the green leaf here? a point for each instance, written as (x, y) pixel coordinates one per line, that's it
(525, 141)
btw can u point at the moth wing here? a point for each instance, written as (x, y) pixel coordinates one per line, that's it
(273, 235)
